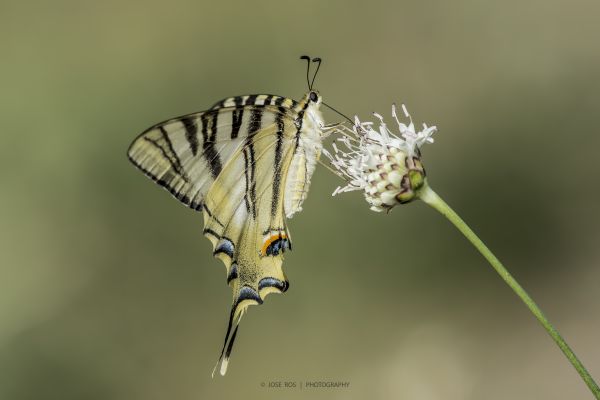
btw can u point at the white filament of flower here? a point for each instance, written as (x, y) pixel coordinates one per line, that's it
(365, 147)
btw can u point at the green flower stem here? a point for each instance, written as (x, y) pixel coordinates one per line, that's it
(431, 198)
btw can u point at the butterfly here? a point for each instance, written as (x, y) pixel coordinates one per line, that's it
(246, 164)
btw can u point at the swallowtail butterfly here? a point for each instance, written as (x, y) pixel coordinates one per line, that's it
(246, 164)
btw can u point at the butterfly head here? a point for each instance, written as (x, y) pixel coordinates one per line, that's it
(312, 99)
(308, 109)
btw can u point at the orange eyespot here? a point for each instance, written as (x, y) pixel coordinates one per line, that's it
(275, 244)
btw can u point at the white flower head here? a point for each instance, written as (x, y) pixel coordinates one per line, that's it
(385, 165)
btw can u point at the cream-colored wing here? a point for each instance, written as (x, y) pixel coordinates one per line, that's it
(244, 219)
(186, 154)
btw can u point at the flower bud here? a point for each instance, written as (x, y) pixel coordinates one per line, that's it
(387, 167)
(395, 178)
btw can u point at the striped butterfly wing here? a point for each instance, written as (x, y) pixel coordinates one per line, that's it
(244, 219)
(186, 154)
(246, 163)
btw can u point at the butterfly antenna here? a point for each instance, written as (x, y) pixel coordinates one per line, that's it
(336, 111)
(317, 60)
(307, 58)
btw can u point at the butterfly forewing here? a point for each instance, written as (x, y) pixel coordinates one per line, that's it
(187, 153)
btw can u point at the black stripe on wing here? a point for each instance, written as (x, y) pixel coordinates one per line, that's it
(277, 165)
(254, 126)
(191, 133)
(166, 184)
(209, 135)
(165, 147)
(236, 122)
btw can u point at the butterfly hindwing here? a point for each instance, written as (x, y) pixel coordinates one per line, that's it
(244, 219)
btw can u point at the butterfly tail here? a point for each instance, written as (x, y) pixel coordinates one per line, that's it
(232, 329)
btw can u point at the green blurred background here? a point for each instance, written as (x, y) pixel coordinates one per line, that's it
(108, 288)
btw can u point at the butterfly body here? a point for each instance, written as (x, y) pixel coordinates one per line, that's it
(246, 164)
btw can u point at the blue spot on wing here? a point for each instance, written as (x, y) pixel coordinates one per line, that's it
(233, 274)
(273, 282)
(247, 293)
(224, 246)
